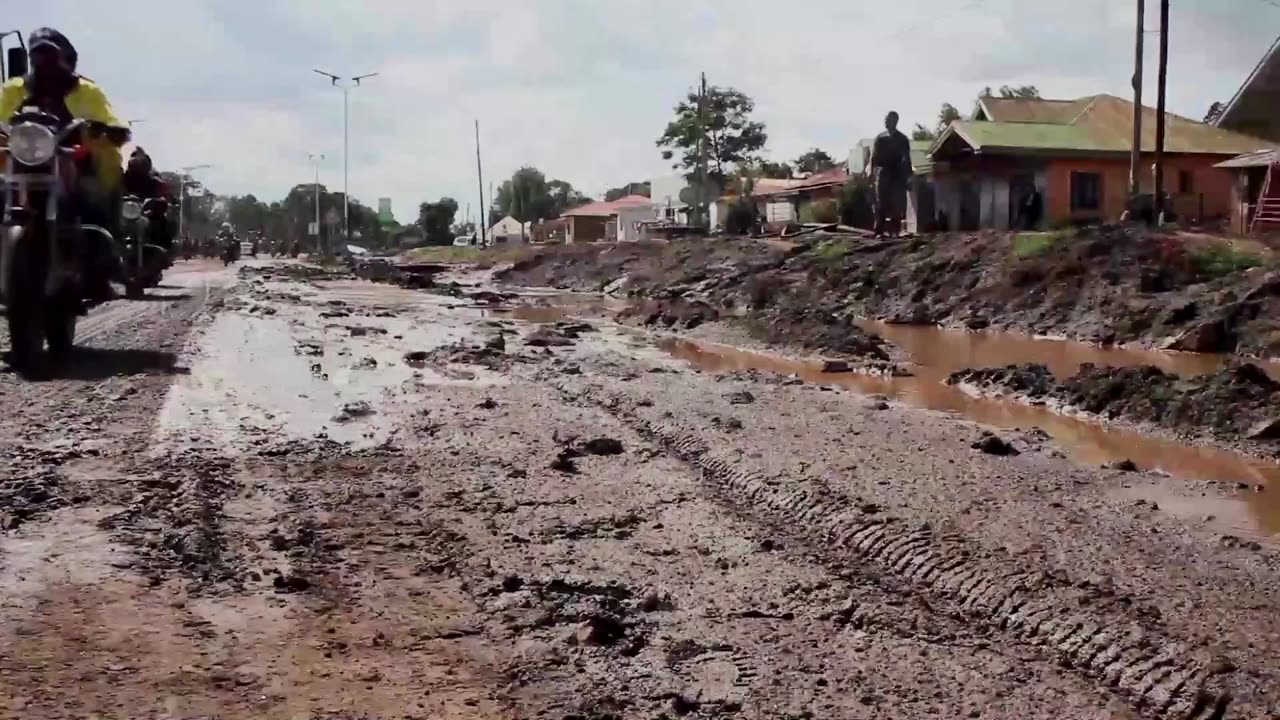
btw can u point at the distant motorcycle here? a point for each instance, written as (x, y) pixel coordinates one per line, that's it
(230, 251)
(143, 262)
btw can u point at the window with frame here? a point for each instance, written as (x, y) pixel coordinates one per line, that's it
(1086, 191)
(1186, 185)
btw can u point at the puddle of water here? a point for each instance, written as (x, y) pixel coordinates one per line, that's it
(944, 351)
(1087, 442)
(292, 375)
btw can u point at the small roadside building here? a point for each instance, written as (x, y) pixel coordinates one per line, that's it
(598, 221)
(508, 230)
(1075, 154)
(1249, 175)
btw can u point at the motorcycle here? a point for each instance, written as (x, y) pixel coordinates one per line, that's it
(42, 248)
(143, 262)
(230, 251)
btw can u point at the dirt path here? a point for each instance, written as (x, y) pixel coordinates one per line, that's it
(341, 500)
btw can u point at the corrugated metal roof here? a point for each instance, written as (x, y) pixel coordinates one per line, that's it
(1261, 158)
(1031, 110)
(1025, 136)
(606, 209)
(1104, 123)
(1255, 108)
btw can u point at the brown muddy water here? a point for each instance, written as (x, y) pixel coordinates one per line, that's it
(938, 352)
(934, 348)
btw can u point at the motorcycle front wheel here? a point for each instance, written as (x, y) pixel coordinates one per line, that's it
(25, 316)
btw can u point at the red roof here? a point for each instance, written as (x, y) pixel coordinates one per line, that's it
(606, 209)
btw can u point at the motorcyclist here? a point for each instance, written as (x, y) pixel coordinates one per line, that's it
(141, 180)
(228, 242)
(54, 86)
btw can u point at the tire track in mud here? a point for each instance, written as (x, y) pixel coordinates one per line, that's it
(1102, 638)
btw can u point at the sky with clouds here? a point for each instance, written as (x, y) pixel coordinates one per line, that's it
(582, 88)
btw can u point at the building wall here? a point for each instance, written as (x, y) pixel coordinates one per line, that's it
(665, 193)
(1209, 185)
(628, 218)
(583, 228)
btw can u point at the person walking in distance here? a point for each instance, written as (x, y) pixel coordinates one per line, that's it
(891, 163)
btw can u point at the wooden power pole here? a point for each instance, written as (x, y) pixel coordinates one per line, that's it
(700, 191)
(1135, 154)
(1160, 97)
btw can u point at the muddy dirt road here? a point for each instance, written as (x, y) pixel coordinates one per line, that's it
(276, 494)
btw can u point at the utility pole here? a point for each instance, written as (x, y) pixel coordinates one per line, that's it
(480, 185)
(316, 159)
(1158, 210)
(702, 153)
(1135, 154)
(352, 82)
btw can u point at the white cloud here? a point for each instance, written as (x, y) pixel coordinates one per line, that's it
(582, 88)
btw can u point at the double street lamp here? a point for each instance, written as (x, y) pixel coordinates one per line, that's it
(345, 84)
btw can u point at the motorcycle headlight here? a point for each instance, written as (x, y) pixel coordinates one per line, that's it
(32, 144)
(131, 210)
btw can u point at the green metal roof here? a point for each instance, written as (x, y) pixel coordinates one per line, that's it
(1028, 136)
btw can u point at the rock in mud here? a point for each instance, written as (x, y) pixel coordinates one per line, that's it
(497, 343)
(286, 584)
(993, 444)
(547, 337)
(1125, 465)
(741, 397)
(599, 629)
(353, 411)
(1265, 430)
(1209, 337)
(603, 446)
(836, 366)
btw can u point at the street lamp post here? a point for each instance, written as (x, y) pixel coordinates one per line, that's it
(345, 84)
(182, 188)
(316, 158)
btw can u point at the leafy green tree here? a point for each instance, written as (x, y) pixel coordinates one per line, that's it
(632, 188)
(733, 138)
(436, 220)
(529, 196)
(813, 161)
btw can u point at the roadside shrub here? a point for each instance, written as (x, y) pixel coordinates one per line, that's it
(741, 216)
(1034, 244)
(1220, 260)
(857, 206)
(820, 211)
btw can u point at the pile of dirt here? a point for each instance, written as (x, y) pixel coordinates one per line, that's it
(1239, 402)
(1108, 284)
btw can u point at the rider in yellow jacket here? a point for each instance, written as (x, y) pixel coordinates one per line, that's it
(53, 86)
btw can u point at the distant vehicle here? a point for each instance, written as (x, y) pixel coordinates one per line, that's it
(464, 241)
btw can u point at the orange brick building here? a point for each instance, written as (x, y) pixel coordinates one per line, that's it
(1075, 153)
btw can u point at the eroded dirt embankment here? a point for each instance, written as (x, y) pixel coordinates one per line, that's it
(1106, 285)
(1240, 402)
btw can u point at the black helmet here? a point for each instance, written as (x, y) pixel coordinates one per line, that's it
(48, 37)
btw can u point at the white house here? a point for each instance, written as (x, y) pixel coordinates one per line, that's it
(508, 230)
(631, 221)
